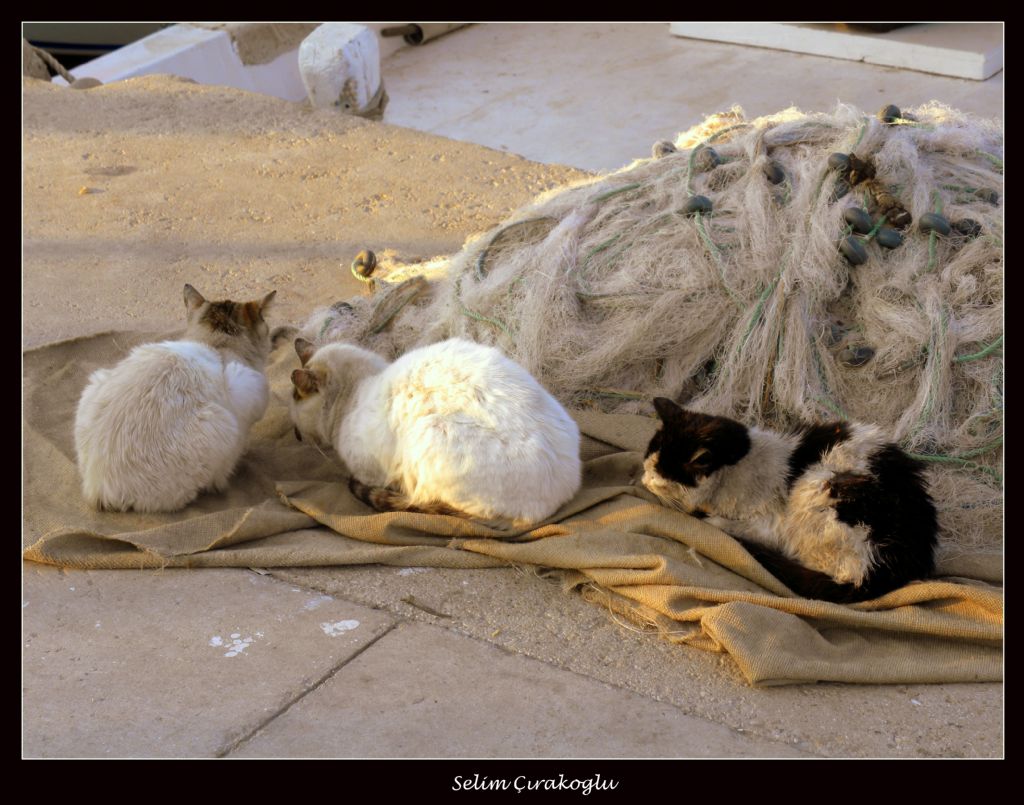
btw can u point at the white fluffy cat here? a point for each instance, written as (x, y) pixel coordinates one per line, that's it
(454, 428)
(172, 418)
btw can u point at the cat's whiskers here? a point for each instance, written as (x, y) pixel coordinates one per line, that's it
(328, 458)
(671, 502)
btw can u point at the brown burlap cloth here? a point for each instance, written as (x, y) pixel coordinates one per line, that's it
(691, 583)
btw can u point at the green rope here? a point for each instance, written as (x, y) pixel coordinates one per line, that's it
(933, 237)
(473, 315)
(993, 159)
(715, 251)
(816, 355)
(726, 130)
(996, 394)
(480, 273)
(817, 193)
(625, 188)
(610, 242)
(778, 350)
(717, 254)
(467, 312)
(958, 188)
(327, 323)
(689, 168)
(960, 462)
(984, 353)
(835, 409)
(860, 136)
(600, 248)
(615, 254)
(977, 451)
(758, 307)
(929, 403)
(874, 230)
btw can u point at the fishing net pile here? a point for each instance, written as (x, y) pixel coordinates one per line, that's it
(791, 267)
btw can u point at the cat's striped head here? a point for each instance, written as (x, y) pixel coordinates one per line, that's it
(238, 326)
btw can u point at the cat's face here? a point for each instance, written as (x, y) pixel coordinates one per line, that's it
(327, 378)
(688, 451)
(307, 402)
(226, 323)
(306, 406)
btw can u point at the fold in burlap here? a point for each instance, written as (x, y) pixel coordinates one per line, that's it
(687, 581)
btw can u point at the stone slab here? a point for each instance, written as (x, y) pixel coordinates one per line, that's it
(957, 49)
(425, 691)
(598, 95)
(517, 610)
(173, 663)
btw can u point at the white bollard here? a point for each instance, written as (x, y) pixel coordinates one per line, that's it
(340, 66)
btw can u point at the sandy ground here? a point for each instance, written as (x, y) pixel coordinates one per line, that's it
(133, 189)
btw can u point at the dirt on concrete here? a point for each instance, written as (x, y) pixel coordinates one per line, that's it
(134, 188)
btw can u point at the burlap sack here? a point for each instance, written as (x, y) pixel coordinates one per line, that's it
(689, 582)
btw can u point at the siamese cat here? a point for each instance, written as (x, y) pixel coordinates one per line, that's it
(453, 428)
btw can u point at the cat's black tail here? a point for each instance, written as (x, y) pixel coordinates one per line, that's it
(802, 580)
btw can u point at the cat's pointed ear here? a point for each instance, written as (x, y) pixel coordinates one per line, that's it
(266, 300)
(193, 299)
(304, 349)
(305, 382)
(666, 408)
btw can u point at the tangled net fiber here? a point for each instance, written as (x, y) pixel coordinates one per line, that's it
(711, 274)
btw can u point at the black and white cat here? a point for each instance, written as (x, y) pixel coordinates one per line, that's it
(836, 511)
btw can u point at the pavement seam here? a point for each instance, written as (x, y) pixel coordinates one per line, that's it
(238, 742)
(740, 733)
